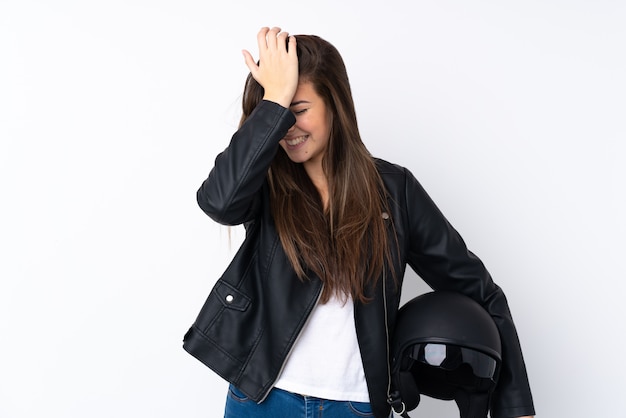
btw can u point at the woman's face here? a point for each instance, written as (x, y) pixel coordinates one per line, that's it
(307, 140)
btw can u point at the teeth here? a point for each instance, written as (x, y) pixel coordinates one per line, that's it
(296, 141)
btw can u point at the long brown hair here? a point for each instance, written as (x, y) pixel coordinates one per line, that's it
(346, 245)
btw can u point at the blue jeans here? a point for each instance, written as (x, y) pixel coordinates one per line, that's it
(282, 404)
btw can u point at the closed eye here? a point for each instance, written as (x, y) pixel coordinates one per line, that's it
(299, 112)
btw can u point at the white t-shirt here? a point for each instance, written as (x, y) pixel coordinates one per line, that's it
(325, 361)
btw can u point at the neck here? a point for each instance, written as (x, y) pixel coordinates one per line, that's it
(319, 180)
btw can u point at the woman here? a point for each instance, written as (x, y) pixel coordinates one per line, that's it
(301, 319)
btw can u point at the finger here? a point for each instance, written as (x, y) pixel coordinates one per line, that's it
(261, 38)
(291, 49)
(250, 63)
(282, 41)
(272, 37)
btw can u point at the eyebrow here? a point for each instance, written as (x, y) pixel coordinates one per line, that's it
(299, 102)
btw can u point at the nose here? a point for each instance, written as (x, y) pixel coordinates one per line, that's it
(292, 128)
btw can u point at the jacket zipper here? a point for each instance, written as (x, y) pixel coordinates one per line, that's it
(387, 333)
(319, 296)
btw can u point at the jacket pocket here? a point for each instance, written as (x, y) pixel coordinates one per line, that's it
(230, 297)
(232, 317)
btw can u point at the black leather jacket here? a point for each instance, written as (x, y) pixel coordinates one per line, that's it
(258, 307)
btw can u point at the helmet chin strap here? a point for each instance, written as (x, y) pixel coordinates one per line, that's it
(472, 405)
(403, 380)
(397, 405)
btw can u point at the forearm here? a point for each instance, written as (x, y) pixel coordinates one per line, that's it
(228, 193)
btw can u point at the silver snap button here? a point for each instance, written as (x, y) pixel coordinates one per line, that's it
(385, 215)
(230, 298)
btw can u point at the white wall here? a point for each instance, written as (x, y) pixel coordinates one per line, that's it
(111, 113)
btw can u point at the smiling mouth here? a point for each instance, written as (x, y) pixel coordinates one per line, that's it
(296, 141)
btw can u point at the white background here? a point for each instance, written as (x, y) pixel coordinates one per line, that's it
(511, 114)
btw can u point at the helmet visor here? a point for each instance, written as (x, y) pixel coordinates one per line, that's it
(450, 357)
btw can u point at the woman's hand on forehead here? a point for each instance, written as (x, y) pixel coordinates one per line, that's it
(277, 69)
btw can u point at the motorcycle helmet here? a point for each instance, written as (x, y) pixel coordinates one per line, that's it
(445, 346)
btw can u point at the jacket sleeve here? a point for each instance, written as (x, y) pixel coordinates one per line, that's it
(439, 255)
(230, 194)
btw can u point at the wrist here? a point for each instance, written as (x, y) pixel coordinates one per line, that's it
(281, 100)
